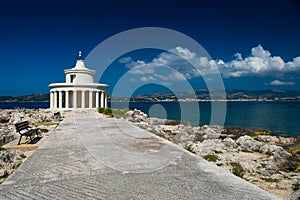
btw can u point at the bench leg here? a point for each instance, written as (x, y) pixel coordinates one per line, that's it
(37, 133)
(20, 140)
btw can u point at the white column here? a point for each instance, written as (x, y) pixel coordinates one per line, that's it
(74, 99)
(97, 99)
(67, 99)
(82, 99)
(90, 99)
(105, 100)
(55, 100)
(51, 100)
(60, 99)
(102, 100)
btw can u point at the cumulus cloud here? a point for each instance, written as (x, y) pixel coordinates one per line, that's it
(278, 82)
(188, 65)
(260, 62)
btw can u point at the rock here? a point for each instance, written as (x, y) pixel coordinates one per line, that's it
(229, 144)
(4, 119)
(268, 139)
(157, 121)
(3, 173)
(261, 157)
(247, 143)
(208, 146)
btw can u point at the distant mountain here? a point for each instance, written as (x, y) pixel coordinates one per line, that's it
(32, 97)
(204, 94)
(201, 94)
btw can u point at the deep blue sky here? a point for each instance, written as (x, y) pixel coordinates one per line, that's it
(39, 39)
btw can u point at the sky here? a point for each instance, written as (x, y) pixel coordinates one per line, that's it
(253, 45)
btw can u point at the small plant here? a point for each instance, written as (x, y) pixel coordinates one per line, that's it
(119, 112)
(295, 151)
(271, 180)
(108, 111)
(101, 110)
(296, 186)
(45, 123)
(211, 158)
(43, 130)
(237, 170)
(189, 147)
(17, 165)
(23, 156)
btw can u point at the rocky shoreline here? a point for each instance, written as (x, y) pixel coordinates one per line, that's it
(11, 159)
(270, 162)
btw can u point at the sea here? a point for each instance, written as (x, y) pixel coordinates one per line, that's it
(280, 117)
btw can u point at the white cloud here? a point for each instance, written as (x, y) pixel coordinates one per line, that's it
(278, 82)
(259, 63)
(124, 60)
(147, 79)
(187, 65)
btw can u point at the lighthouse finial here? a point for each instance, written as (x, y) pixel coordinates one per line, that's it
(79, 56)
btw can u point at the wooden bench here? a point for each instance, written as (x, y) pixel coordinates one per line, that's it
(24, 129)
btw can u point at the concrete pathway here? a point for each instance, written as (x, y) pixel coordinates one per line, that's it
(93, 157)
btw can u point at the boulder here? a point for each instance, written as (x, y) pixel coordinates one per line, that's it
(3, 173)
(247, 143)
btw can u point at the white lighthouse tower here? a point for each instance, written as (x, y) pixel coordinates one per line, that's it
(79, 91)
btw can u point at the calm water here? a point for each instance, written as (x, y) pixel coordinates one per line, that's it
(281, 117)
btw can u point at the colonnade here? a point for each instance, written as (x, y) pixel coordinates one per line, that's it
(76, 99)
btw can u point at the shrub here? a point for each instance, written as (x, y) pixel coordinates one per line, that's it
(270, 180)
(211, 158)
(43, 130)
(101, 110)
(189, 147)
(119, 112)
(108, 111)
(237, 170)
(22, 156)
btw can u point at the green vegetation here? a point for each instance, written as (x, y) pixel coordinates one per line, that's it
(43, 130)
(237, 170)
(294, 151)
(296, 186)
(211, 158)
(119, 112)
(113, 112)
(189, 148)
(273, 180)
(259, 132)
(45, 123)
(23, 156)
(101, 110)
(297, 169)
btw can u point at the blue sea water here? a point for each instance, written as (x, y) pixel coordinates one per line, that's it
(278, 116)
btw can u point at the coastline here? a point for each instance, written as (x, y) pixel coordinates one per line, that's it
(270, 162)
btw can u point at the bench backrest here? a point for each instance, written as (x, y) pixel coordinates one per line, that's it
(22, 126)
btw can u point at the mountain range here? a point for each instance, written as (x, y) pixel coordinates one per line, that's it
(201, 94)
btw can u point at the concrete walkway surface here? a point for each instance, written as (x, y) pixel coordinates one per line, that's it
(94, 157)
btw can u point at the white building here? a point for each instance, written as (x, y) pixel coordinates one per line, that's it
(79, 91)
